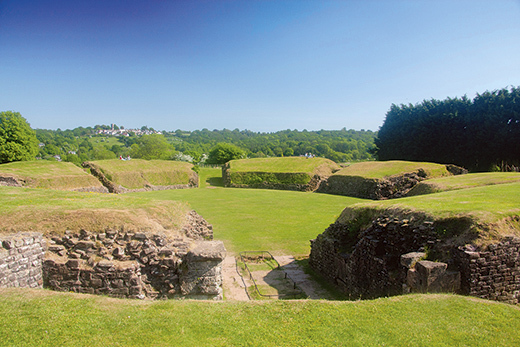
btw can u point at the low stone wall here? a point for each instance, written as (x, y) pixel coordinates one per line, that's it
(21, 260)
(134, 265)
(492, 273)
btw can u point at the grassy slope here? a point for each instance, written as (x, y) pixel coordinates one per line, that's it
(381, 169)
(45, 318)
(464, 181)
(50, 174)
(285, 164)
(136, 173)
(53, 211)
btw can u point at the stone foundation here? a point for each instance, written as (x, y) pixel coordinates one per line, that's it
(21, 260)
(134, 265)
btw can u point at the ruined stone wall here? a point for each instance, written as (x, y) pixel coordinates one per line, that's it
(372, 188)
(21, 260)
(134, 265)
(388, 259)
(368, 265)
(492, 273)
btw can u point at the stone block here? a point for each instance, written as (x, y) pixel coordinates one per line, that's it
(207, 250)
(408, 260)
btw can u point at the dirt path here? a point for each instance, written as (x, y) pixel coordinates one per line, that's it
(233, 285)
(295, 272)
(235, 288)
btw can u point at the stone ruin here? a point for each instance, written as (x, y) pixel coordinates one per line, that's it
(389, 258)
(118, 263)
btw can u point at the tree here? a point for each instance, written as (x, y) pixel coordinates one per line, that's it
(224, 152)
(152, 147)
(17, 140)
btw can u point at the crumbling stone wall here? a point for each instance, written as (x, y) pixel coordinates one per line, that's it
(392, 187)
(21, 260)
(134, 265)
(492, 273)
(388, 258)
(372, 188)
(368, 265)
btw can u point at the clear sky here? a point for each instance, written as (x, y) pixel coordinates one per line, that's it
(256, 65)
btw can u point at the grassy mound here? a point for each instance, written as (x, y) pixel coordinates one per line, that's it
(464, 181)
(293, 173)
(139, 174)
(50, 175)
(44, 318)
(475, 215)
(54, 212)
(384, 169)
(381, 179)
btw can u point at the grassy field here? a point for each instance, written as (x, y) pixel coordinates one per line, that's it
(381, 169)
(282, 222)
(50, 174)
(138, 173)
(44, 318)
(285, 164)
(436, 185)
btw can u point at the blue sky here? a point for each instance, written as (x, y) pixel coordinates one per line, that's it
(256, 65)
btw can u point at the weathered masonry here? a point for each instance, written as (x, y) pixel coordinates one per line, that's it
(118, 263)
(21, 258)
(389, 258)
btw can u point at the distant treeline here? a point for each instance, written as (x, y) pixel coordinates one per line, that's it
(480, 134)
(81, 144)
(337, 145)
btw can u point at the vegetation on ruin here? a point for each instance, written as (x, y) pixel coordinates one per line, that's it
(437, 185)
(287, 170)
(382, 169)
(138, 173)
(54, 211)
(49, 174)
(45, 318)
(478, 215)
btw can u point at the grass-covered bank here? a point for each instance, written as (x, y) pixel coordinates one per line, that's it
(44, 318)
(53, 211)
(49, 175)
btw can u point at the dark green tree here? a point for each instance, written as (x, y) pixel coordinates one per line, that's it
(17, 140)
(224, 152)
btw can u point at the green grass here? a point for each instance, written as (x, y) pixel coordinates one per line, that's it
(285, 164)
(464, 181)
(137, 173)
(44, 318)
(381, 169)
(281, 222)
(50, 174)
(487, 203)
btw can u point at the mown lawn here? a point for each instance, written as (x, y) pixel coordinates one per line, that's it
(282, 222)
(44, 318)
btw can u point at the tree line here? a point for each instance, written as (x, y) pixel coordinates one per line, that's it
(204, 146)
(481, 134)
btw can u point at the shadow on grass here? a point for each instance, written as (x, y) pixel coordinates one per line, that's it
(215, 181)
